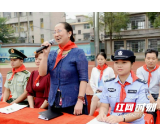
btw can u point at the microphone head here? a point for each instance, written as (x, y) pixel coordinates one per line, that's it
(52, 41)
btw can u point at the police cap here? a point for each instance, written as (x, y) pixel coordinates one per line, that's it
(124, 55)
(14, 54)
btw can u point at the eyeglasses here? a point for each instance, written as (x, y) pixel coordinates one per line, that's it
(58, 31)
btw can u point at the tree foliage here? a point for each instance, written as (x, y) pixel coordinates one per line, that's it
(112, 22)
(6, 32)
(154, 18)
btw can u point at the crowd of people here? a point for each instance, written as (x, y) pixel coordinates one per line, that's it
(60, 81)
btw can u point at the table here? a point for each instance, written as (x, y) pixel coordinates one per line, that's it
(30, 116)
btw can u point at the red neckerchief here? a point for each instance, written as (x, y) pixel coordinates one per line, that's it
(102, 68)
(21, 68)
(150, 75)
(66, 47)
(123, 92)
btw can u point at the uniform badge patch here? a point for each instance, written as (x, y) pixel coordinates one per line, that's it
(27, 78)
(12, 51)
(111, 89)
(132, 91)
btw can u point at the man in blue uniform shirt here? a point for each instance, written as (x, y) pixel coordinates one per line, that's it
(127, 87)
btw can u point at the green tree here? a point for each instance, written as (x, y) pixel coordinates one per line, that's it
(154, 18)
(6, 32)
(112, 22)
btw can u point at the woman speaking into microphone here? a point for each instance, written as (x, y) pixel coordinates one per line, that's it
(68, 68)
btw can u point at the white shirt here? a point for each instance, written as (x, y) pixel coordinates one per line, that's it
(154, 80)
(108, 73)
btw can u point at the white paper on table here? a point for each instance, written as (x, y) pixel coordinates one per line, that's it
(12, 108)
(95, 121)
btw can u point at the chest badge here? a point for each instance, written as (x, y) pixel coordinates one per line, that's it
(111, 89)
(132, 91)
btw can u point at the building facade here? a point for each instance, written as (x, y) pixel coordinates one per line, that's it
(33, 27)
(139, 36)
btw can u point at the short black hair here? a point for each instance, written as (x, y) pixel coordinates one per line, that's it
(102, 54)
(151, 51)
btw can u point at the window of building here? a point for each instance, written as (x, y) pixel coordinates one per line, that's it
(136, 46)
(7, 15)
(86, 36)
(31, 25)
(32, 38)
(136, 22)
(15, 27)
(118, 45)
(79, 39)
(73, 27)
(154, 43)
(15, 14)
(30, 13)
(79, 31)
(41, 23)
(86, 26)
(42, 38)
(79, 20)
(150, 25)
(20, 14)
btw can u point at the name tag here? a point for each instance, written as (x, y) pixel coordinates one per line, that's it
(132, 91)
(111, 89)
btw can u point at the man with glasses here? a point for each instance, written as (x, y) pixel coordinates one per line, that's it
(150, 72)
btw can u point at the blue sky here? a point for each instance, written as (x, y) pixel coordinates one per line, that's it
(73, 14)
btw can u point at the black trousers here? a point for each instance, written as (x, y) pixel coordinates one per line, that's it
(155, 96)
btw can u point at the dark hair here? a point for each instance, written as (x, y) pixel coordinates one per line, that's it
(151, 51)
(68, 27)
(102, 54)
(37, 54)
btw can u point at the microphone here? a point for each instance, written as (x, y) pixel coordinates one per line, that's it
(44, 47)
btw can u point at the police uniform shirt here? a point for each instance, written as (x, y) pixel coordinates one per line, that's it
(18, 84)
(1, 83)
(135, 92)
(154, 80)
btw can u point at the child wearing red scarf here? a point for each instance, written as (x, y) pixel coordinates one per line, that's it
(98, 75)
(16, 79)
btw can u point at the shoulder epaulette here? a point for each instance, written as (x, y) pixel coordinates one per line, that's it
(109, 80)
(25, 71)
(142, 81)
(9, 72)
